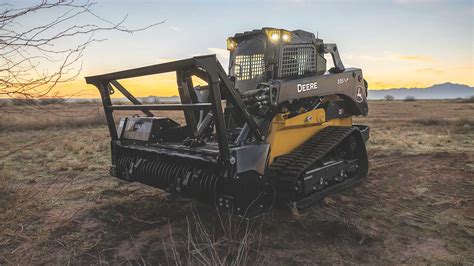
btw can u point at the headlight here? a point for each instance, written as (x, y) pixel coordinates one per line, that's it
(231, 44)
(275, 35)
(286, 36)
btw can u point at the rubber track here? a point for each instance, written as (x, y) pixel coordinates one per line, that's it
(286, 169)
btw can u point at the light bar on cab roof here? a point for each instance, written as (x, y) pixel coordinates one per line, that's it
(275, 35)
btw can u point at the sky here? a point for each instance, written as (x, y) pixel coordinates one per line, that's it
(397, 43)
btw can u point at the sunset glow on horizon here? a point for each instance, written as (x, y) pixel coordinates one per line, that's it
(398, 43)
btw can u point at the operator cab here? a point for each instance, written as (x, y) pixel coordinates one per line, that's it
(260, 56)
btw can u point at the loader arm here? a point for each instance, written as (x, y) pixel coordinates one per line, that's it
(331, 48)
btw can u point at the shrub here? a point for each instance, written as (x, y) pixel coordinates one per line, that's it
(389, 98)
(49, 101)
(410, 99)
(23, 101)
(468, 100)
(87, 101)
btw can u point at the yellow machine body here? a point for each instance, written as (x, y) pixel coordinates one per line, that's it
(286, 134)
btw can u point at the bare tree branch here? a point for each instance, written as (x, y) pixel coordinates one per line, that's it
(34, 59)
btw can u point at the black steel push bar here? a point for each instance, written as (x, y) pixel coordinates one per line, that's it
(206, 68)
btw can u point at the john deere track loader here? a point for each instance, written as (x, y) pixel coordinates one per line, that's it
(276, 129)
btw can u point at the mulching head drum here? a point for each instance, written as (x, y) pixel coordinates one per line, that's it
(173, 175)
(247, 193)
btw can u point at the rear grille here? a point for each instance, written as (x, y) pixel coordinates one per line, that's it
(248, 66)
(297, 60)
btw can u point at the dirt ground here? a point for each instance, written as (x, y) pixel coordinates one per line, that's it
(58, 204)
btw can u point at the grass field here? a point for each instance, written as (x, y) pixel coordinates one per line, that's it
(58, 204)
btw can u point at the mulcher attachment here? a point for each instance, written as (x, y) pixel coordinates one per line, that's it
(198, 180)
(332, 160)
(246, 193)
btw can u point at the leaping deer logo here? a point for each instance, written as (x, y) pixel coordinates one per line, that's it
(359, 97)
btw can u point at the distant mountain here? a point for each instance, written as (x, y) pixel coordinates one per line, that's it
(438, 91)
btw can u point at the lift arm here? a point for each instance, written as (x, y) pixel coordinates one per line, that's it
(331, 48)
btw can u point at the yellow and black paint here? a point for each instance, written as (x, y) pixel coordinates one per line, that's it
(286, 134)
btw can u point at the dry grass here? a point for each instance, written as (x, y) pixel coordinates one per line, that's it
(44, 117)
(60, 206)
(235, 241)
(460, 125)
(420, 127)
(445, 122)
(30, 123)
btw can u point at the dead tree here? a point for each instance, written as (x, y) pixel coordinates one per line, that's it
(36, 57)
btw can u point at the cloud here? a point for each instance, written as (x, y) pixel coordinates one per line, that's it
(430, 71)
(415, 58)
(222, 53)
(388, 57)
(465, 67)
(165, 60)
(404, 2)
(364, 57)
(175, 28)
(379, 84)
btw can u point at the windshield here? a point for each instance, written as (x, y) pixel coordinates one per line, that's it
(248, 60)
(248, 66)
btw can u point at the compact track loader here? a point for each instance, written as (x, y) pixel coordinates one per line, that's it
(277, 129)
